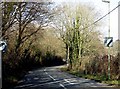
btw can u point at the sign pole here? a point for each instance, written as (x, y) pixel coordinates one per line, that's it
(109, 63)
(109, 47)
(108, 1)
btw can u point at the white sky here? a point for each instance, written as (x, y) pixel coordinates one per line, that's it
(103, 9)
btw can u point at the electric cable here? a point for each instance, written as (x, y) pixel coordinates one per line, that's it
(102, 17)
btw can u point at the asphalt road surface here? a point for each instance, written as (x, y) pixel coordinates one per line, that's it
(53, 78)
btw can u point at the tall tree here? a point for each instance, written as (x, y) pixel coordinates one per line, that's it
(8, 17)
(20, 14)
(74, 27)
(21, 22)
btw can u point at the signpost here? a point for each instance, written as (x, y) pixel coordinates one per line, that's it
(108, 42)
(3, 46)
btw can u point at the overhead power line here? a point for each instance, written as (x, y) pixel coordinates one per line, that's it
(102, 17)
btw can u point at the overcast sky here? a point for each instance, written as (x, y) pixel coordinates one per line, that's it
(103, 9)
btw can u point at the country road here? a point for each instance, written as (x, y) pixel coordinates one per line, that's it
(53, 78)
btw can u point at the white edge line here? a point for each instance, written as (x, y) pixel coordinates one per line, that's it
(24, 86)
(44, 84)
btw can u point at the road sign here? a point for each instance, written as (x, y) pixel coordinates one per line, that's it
(3, 46)
(108, 42)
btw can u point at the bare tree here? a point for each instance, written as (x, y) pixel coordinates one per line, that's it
(73, 24)
(21, 14)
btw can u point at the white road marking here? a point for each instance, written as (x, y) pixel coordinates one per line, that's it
(67, 81)
(49, 75)
(24, 86)
(44, 84)
(36, 78)
(54, 80)
(44, 70)
(70, 81)
(30, 72)
(52, 77)
(62, 86)
(46, 73)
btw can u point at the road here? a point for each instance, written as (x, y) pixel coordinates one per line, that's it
(53, 78)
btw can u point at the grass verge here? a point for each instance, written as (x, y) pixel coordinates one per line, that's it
(98, 78)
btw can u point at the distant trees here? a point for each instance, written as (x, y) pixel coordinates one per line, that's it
(52, 48)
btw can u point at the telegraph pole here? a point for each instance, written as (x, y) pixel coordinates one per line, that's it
(108, 36)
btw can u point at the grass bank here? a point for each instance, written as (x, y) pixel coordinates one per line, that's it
(97, 78)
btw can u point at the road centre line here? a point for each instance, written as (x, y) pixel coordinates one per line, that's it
(44, 70)
(55, 80)
(66, 80)
(62, 86)
(46, 73)
(52, 77)
(49, 75)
